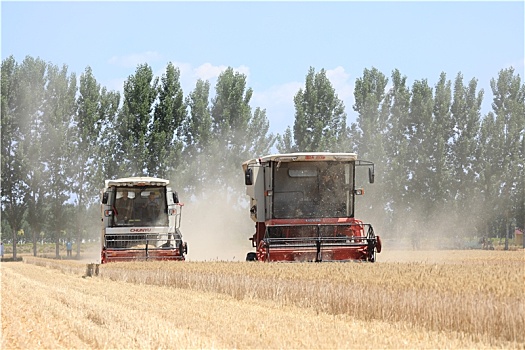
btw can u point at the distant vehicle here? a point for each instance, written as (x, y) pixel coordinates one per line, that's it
(141, 218)
(303, 208)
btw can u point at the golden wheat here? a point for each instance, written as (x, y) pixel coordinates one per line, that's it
(479, 293)
(479, 299)
(44, 308)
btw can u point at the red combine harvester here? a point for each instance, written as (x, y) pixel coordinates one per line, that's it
(303, 207)
(141, 218)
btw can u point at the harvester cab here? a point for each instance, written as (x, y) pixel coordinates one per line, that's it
(303, 207)
(141, 219)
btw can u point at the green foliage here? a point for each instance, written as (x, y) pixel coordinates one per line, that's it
(197, 137)
(58, 113)
(372, 105)
(437, 157)
(236, 132)
(13, 119)
(33, 82)
(164, 143)
(140, 93)
(94, 107)
(320, 118)
(504, 133)
(464, 158)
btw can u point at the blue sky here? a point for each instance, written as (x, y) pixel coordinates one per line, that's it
(273, 42)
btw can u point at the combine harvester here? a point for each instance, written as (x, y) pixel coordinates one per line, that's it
(303, 208)
(141, 219)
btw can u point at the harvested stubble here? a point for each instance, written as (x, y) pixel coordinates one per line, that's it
(478, 294)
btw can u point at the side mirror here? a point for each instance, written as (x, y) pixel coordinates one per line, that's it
(248, 177)
(105, 197)
(175, 198)
(371, 175)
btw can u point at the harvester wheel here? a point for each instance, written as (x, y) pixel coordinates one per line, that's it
(378, 244)
(183, 248)
(251, 256)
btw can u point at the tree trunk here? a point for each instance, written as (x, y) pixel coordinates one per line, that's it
(57, 248)
(507, 229)
(34, 242)
(15, 233)
(79, 240)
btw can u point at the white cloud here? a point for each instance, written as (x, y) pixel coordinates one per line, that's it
(207, 71)
(243, 70)
(116, 84)
(343, 86)
(132, 60)
(278, 102)
(279, 94)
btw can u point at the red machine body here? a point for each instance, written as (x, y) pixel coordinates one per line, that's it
(303, 207)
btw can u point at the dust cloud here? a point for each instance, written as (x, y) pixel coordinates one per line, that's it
(216, 230)
(435, 229)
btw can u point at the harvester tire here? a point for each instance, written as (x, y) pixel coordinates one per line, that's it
(378, 244)
(251, 256)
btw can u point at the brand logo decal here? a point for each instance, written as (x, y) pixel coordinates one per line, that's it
(140, 230)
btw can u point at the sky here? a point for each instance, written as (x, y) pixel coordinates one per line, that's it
(274, 43)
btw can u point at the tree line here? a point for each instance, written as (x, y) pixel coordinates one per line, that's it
(442, 167)
(440, 163)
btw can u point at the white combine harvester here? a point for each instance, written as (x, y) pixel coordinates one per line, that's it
(141, 218)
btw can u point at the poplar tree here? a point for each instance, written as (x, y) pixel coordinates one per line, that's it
(372, 119)
(504, 129)
(285, 142)
(197, 137)
(165, 132)
(488, 170)
(372, 106)
(230, 115)
(418, 133)
(109, 141)
(94, 105)
(58, 112)
(320, 118)
(32, 82)
(258, 133)
(140, 94)
(464, 158)
(442, 129)
(396, 168)
(13, 185)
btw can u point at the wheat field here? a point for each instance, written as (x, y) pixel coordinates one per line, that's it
(407, 300)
